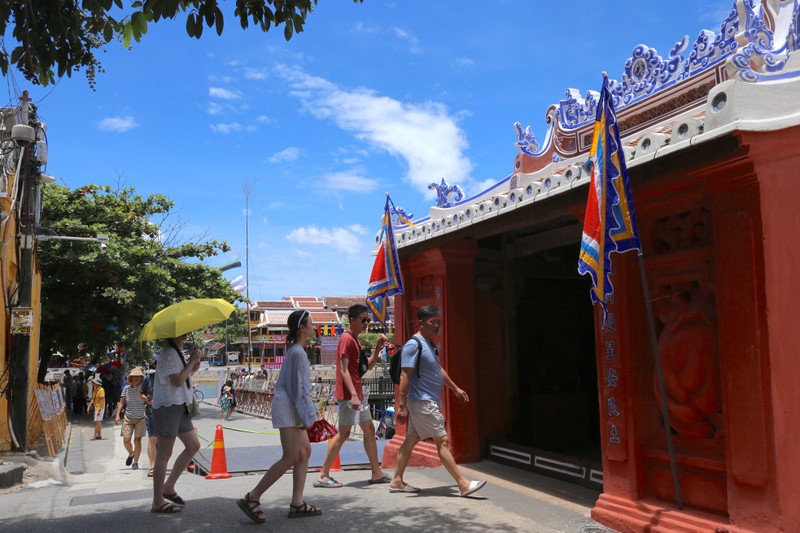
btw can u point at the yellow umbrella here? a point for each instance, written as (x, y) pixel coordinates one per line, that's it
(184, 317)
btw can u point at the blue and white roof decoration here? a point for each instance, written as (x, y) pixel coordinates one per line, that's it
(744, 77)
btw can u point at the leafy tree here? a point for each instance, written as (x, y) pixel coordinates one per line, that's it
(93, 298)
(65, 35)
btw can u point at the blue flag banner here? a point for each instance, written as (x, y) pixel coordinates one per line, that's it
(385, 280)
(610, 222)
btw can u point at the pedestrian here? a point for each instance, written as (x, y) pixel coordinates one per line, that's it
(99, 406)
(108, 390)
(350, 399)
(68, 385)
(420, 401)
(292, 414)
(81, 393)
(225, 402)
(133, 425)
(231, 383)
(172, 398)
(146, 394)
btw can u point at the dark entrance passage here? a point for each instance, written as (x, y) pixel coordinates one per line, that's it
(555, 424)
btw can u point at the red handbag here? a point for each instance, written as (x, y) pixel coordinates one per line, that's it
(320, 431)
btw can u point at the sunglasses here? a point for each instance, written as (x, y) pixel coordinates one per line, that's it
(366, 320)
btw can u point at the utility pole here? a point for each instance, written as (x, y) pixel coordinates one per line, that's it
(248, 189)
(26, 194)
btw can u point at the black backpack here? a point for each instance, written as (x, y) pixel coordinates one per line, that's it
(395, 364)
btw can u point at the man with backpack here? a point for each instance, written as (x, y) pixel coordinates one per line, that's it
(349, 396)
(419, 402)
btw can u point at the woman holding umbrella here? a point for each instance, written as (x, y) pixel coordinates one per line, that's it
(292, 414)
(172, 391)
(172, 396)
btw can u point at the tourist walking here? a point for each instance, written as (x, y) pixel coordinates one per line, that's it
(172, 398)
(420, 399)
(350, 398)
(292, 414)
(146, 395)
(133, 425)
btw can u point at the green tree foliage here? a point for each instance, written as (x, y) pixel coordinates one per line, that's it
(57, 37)
(93, 298)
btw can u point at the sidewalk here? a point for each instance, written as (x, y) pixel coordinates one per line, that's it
(107, 496)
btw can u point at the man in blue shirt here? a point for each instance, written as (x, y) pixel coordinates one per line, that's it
(420, 401)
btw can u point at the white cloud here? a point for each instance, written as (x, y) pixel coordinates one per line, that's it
(413, 42)
(286, 155)
(255, 74)
(343, 240)
(263, 119)
(118, 124)
(424, 134)
(302, 254)
(464, 61)
(351, 181)
(223, 93)
(228, 127)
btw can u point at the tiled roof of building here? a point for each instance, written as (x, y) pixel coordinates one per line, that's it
(274, 317)
(324, 317)
(303, 299)
(274, 304)
(343, 302)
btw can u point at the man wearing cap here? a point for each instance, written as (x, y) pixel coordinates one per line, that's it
(133, 424)
(99, 406)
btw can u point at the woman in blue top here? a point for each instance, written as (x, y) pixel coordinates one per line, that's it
(292, 414)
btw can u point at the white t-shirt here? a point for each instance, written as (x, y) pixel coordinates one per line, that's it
(164, 392)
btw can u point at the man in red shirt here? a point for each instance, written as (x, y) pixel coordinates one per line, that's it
(350, 395)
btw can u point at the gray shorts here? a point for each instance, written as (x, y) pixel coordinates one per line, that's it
(349, 416)
(425, 419)
(171, 420)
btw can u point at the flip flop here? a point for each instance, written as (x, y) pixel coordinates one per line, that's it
(407, 489)
(167, 508)
(174, 498)
(150, 473)
(385, 479)
(329, 483)
(474, 486)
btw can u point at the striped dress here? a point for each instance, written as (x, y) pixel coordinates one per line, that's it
(134, 405)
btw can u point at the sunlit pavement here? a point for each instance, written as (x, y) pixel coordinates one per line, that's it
(108, 496)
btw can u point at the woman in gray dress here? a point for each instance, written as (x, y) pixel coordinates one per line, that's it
(292, 413)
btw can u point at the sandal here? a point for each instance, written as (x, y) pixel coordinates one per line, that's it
(300, 511)
(167, 508)
(150, 473)
(174, 498)
(249, 506)
(96, 438)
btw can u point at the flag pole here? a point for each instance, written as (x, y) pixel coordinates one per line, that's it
(661, 387)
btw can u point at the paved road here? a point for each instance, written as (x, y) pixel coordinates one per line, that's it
(101, 494)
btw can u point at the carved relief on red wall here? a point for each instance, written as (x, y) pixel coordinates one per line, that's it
(685, 310)
(688, 347)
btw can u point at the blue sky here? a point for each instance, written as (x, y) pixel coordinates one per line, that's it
(372, 98)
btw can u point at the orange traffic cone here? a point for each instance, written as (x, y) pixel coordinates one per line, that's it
(337, 465)
(219, 465)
